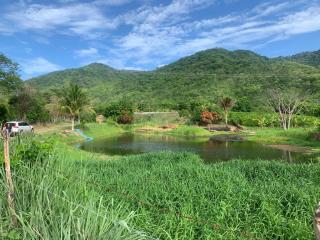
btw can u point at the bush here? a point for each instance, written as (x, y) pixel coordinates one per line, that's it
(207, 117)
(125, 118)
(3, 112)
(242, 105)
(116, 109)
(255, 119)
(31, 150)
(38, 113)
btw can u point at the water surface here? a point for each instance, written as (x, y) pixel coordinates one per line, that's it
(208, 149)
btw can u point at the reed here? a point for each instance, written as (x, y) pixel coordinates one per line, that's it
(233, 200)
(52, 206)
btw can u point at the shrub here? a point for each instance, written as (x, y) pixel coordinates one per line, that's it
(207, 117)
(255, 119)
(242, 105)
(31, 150)
(117, 109)
(125, 118)
(3, 112)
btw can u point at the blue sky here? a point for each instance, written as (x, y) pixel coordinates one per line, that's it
(44, 36)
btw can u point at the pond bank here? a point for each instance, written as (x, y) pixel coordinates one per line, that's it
(297, 137)
(213, 147)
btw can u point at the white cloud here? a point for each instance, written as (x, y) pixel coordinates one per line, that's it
(89, 52)
(38, 65)
(81, 19)
(112, 2)
(164, 33)
(268, 8)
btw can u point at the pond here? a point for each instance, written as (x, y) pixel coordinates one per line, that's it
(211, 150)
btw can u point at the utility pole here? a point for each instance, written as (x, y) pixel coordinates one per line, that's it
(6, 139)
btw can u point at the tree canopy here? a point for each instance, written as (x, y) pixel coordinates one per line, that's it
(73, 99)
(9, 78)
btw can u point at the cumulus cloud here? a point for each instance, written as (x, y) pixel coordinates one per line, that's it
(158, 35)
(81, 19)
(38, 65)
(88, 52)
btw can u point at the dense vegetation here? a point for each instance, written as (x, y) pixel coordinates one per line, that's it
(198, 79)
(307, 58)
(190, 86)
(266, 200)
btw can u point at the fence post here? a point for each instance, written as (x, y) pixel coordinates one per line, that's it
(316, 222)
(6, 139)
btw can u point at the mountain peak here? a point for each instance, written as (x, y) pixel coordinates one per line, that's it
(219, 60)
(96, 65)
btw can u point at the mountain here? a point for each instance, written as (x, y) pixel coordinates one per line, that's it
(220, 61)
(202, 76)
(87, 76)
(307, 58)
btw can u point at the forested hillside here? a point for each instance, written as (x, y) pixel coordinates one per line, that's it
(308, 58)
(204, 76)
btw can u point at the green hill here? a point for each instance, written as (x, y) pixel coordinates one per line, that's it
(307, 58)
(87, 76)
(219, 61)
(203, 76)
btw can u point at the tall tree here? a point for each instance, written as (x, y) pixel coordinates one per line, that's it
(73, 99)
(287, 103)
(54, 108)
(9, 78)
(22, 101)
(226, 103)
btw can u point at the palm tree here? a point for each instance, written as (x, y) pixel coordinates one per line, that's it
(73, 99)
(226, 104)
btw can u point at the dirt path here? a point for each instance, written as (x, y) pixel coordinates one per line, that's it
(51, 128)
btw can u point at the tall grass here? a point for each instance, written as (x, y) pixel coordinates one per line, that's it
(75, 195)
(52, 206)
(176, 196)
(294, 136)
(102, 130)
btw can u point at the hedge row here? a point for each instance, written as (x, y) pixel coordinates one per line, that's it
(255, 119)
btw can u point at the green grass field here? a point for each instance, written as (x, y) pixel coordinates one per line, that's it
(294, 136)
(72, 194)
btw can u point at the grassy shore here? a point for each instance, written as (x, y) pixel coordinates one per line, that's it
(295, 136)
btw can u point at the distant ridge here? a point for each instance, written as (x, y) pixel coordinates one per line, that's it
(307, 58)
(205, 74)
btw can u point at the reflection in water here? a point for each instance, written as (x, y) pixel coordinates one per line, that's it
(209, 150)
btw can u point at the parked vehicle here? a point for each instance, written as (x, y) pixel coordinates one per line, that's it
(17, 127)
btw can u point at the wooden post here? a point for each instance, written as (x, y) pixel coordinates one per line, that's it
(6, 139)
(316, 222)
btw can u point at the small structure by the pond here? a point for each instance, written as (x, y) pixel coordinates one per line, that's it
(162, 118)
(100, 119)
